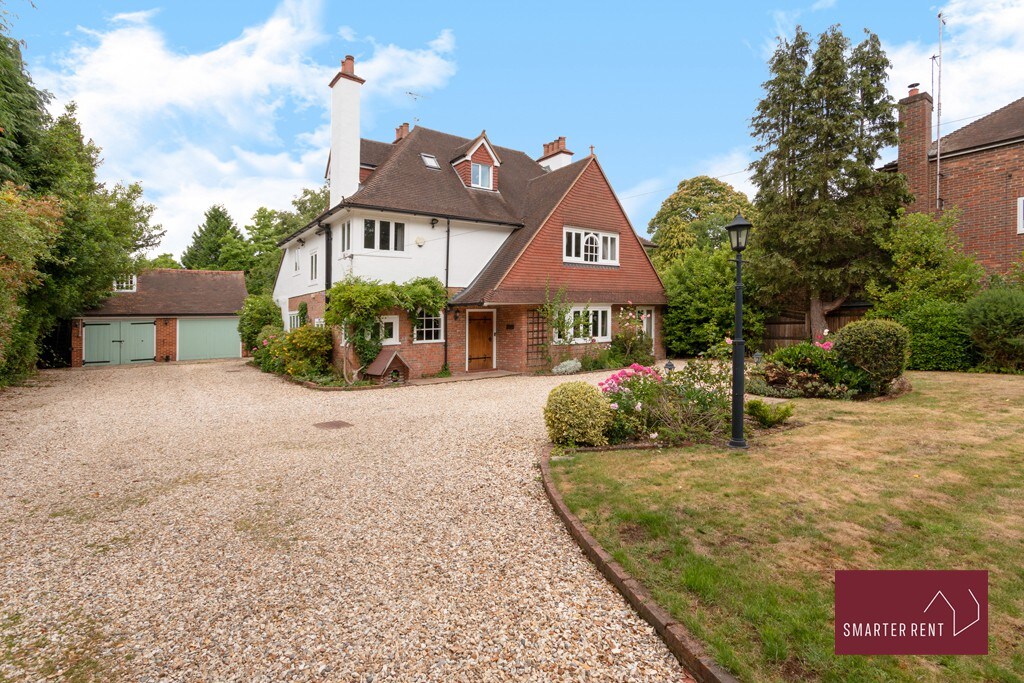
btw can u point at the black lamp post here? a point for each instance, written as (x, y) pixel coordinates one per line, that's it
(738, 231)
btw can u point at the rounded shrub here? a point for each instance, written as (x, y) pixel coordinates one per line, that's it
(878, 347)
(268, 348)
(577, 414)
(258, 311)
(307, 351)
(995, 322)
(939, 339)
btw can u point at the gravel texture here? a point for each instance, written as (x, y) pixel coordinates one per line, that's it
(186, 522)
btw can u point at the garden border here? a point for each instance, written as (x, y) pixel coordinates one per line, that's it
(679, 640)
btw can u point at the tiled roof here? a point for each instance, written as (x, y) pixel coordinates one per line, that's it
(172, 292)
(373, 152)
(1001, 125)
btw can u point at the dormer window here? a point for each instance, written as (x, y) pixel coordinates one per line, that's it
(125, 284)
(430, 161)
(482, 176)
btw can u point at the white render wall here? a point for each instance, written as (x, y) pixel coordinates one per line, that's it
(472, 246)
(344, 172)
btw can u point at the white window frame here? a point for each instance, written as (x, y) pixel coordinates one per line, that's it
(395, 244)
(476, 172)
(596, 313)
(314, 265)
(575, 242)
(293, 320)
(420, 327)
(318, 322)
(126, 284)
(346, 236)
(430, 161)
(296, 261)
(649, 322)
(1020, 215)
(395, 338)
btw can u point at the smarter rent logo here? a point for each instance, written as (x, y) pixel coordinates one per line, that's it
(911, 612)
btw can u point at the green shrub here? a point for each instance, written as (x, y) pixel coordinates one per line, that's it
(307, 351)
(768, 415)
(577, 415)
(810, 371)
(995, 320)
(258, 311)
(631, 393)
(631, 344)
(267, 354)
(605, 359)
(878, 347)
(939, 338)
(303, 313)
(693, 402)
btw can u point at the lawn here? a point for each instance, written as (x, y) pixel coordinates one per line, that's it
(741, 546)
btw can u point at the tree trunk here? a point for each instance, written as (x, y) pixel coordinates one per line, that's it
(819, 309)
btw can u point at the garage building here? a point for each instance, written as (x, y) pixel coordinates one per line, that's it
(163, 315)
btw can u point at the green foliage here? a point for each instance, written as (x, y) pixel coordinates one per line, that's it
(268, 227)
(28, 231)
(258, 311)
(303, 313)
(23, 114)
(631, 344)
(556, 312)
(306, 351)
(810, 371)
(217, 233)
(878, 347)
(569, 367)
(995, 319)
(768, 415)
(577, 415)
(693, 404)
(939, 338)
(357, 303)
(604, 359)
(694, 215)
(701, 299)
(631, 392)
(927, 263)
(161, 261)
(822, 203)
(268, 353)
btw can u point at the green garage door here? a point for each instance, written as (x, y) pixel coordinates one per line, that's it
(203, 338)
(119, 342)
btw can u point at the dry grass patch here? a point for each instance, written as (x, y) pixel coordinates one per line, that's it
(742, 546)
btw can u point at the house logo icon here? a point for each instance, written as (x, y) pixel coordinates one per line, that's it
(977, 610)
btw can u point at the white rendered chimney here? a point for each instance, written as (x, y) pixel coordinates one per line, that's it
(345, 131)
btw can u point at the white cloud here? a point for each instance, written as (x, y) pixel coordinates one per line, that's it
(644, 198)
(823, 4)
(731, 168)
(983, 54)
(212, 127)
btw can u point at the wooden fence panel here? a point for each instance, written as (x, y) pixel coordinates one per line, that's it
(791, 328)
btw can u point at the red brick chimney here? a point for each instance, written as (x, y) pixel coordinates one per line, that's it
(555, 154)
(401, 132)
(915, 139)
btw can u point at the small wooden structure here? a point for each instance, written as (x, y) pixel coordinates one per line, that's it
(387, 368)
(792, 326)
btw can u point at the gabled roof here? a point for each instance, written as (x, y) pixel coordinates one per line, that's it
(172, 292)
(466, 151)
(1001, 126)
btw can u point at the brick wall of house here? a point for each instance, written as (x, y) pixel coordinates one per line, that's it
(76, 343)
(423, 358)
(314, 304)
(166, 339)
(984, 185)
(480, 156)
(590, 203)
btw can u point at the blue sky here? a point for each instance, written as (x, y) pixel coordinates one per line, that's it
(208, 102)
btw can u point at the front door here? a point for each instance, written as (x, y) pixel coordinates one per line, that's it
(481, 341)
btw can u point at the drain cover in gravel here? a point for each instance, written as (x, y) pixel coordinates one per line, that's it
(333, 424)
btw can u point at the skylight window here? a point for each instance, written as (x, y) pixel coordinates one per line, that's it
(430, 161)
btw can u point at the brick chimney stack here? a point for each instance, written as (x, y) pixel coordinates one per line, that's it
(401, 132)
(555, 154)
(915, 111)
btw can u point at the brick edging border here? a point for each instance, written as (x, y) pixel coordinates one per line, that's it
(680, 642)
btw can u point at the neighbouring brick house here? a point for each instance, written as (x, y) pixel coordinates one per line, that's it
(162, 315)
(980, 171)
(501, 230)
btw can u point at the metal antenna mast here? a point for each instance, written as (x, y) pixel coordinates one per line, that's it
(938, 123)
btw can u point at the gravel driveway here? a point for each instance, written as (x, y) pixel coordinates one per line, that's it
(186, 522)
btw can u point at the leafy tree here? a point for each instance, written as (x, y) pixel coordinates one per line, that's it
(700, 290)
(820, 126)
(258, 311)
(268, 227)
(216, 233)
(682, 220)
(926, 263)
(161, 261)
(22, 113)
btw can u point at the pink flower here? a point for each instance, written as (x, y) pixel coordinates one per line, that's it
(615, 406)
(728, 341)
(639, 406)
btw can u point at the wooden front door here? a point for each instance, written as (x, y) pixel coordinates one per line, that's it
(481, 341)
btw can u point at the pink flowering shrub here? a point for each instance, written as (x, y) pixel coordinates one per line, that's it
(632, 392)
